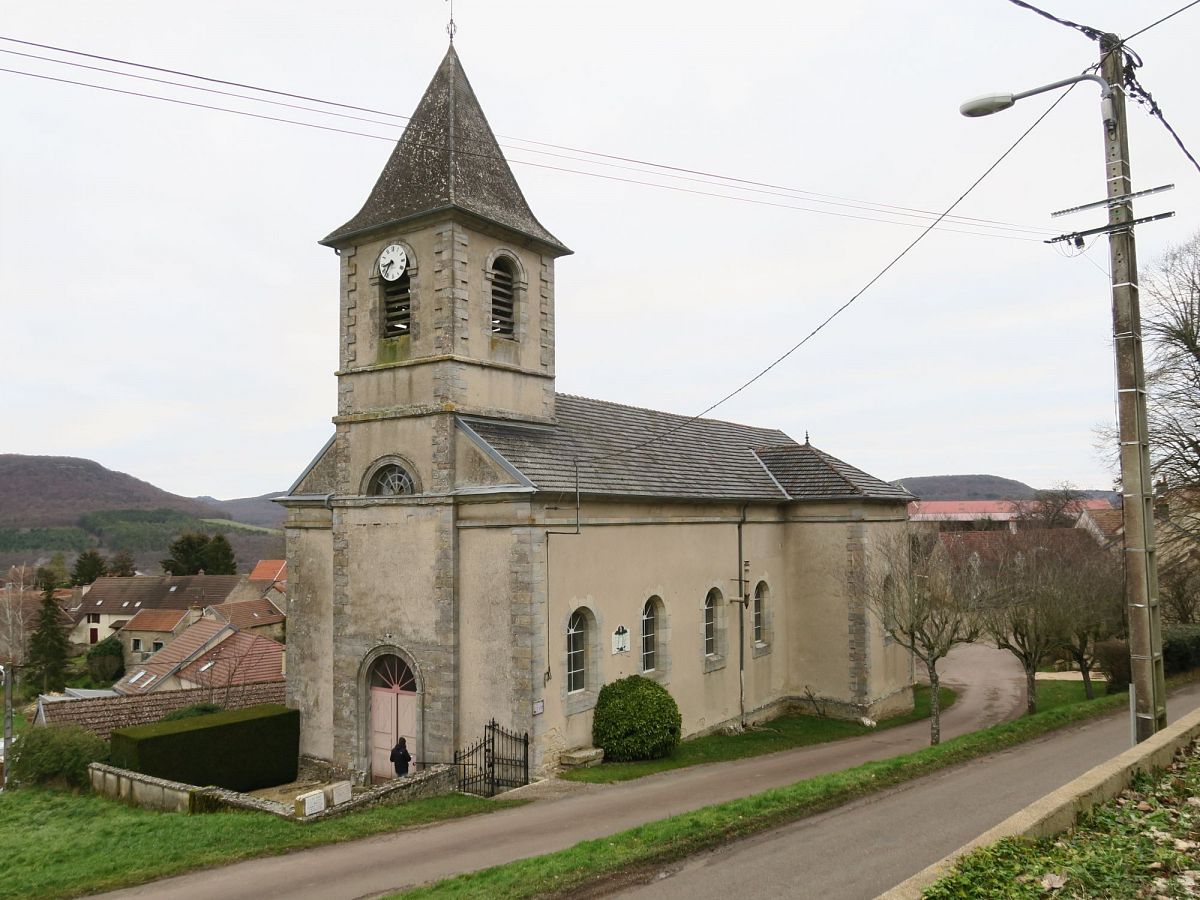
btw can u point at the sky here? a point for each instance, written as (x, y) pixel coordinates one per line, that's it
(167, 311)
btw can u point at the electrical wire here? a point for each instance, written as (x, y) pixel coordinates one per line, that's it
(700, 175)
(1094, 33)
(461, 152)
(1163, 19)
(837, 312)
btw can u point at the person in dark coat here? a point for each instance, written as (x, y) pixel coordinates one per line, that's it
(401, 757)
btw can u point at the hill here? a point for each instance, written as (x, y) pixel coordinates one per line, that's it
(251, 510)
(966, 487)
(63, 504)
(39, 491)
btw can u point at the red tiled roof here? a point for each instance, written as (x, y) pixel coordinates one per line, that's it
(270, 570)
(241, 658)
(1000, 510)
(156, 620)
(195, 639)
(248, 613)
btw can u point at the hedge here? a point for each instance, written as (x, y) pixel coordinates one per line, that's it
(56, 755)
(238, 749)
(1181, 648)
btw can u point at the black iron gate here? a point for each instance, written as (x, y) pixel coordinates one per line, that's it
(495, 763)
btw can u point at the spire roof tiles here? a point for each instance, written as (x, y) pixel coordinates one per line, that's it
(447, 157)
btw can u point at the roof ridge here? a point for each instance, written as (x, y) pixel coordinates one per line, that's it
(825, 458)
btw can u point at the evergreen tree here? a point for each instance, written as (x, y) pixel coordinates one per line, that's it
(218, 557)
(187, 554)
(48, 644)
(89, 566)
(58, 566)
(122, 565)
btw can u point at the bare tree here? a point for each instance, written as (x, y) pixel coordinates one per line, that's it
(1089, 583)
(1179, 591)
(1056, 507)
(18, 614)
(924, 601)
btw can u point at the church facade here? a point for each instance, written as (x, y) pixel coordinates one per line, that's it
(471, 545)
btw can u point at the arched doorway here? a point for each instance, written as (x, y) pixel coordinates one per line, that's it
(393, 713)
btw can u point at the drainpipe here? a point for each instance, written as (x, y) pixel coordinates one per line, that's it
(742, 565)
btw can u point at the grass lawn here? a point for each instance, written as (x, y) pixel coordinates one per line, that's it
(58, 844)
(1141, 844)
(783, 733)
(1061, 693)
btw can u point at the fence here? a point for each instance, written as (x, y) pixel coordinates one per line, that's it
(495, 763)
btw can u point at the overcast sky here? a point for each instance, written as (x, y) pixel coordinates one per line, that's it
(168, 313)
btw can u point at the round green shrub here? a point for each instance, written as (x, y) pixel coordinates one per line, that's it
(199, 709)
(635, 718)
(57, 755)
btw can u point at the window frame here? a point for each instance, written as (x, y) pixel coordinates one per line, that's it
(398, 293)
(504, 276)
(156, 646)
(577, 650)
(650, 637)
(710, 625)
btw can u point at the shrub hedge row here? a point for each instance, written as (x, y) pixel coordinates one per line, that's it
(635, 718)
(1181, 648)
(239, 749)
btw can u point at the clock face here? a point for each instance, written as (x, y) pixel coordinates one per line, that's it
(392, 262)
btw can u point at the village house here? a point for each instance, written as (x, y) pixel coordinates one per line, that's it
(472, 545)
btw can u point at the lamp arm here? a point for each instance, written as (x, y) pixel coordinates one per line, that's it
(1105, 87)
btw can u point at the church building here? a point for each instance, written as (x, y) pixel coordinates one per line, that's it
(471, 545)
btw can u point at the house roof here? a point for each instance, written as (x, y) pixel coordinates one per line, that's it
(1109, 522)
(165, 620)
(148, 676)
(689, 458)
(127, 596)
(270, 570)
(447, 158)
(247, 613)
(968, 510)
(993, 545)
(241, 658)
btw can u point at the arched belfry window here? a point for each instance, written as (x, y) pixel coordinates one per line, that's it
(390, 480)
(397, 306)
(504, 307)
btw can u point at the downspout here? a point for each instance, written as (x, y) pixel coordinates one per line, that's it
(742, 564)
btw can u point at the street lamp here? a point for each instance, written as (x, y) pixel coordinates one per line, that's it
(1137, 492)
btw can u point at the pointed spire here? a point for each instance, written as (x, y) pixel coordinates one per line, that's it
(447, 157)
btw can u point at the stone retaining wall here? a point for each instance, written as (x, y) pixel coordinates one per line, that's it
(172, 796)
(1059, 810)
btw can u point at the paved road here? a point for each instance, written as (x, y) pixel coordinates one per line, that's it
(992, 691)
(871, 845)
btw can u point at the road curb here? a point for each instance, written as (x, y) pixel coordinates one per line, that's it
(1058, 811)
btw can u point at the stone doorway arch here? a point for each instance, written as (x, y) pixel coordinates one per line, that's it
(392, 709)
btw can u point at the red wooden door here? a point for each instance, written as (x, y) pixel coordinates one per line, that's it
(393, 715)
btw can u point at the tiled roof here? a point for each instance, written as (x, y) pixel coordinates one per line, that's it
(248, 613)
(241, 658)
(105, 714)
(992, 545)
(1111, 522)
(689, 459)
(148, 676)
(447, 157)
(999, 510)
(127, 596)
(270, 570)
(807, 473)
(156, 620)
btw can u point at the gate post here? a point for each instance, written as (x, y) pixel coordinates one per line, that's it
(489, 757)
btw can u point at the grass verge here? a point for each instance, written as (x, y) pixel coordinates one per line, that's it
(784, 733)
(58, 844)
(679, 836)
(1140, 844)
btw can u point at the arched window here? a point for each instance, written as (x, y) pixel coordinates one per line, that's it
(710, 622)
(397, 307)
(649, 636)
(577, 641)
(390, 481)
(504, 312)
(392, 673)
(760, 613)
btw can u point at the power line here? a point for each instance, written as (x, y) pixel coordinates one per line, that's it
(1163, 19)
(703, 176)
(363, 134)
(837, 312)
(1094, 33)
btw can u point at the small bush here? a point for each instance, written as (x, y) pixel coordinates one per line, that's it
(1112, 658)
(635, 718)
(199, 709)
(106, 660)
(57, 755)
(1181, 648)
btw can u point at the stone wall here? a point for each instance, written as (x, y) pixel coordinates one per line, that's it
(149, 792)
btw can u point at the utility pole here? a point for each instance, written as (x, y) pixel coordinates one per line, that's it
(1141, 570)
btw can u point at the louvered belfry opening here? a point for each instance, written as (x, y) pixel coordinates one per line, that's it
(397, 307)
(503, 306)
